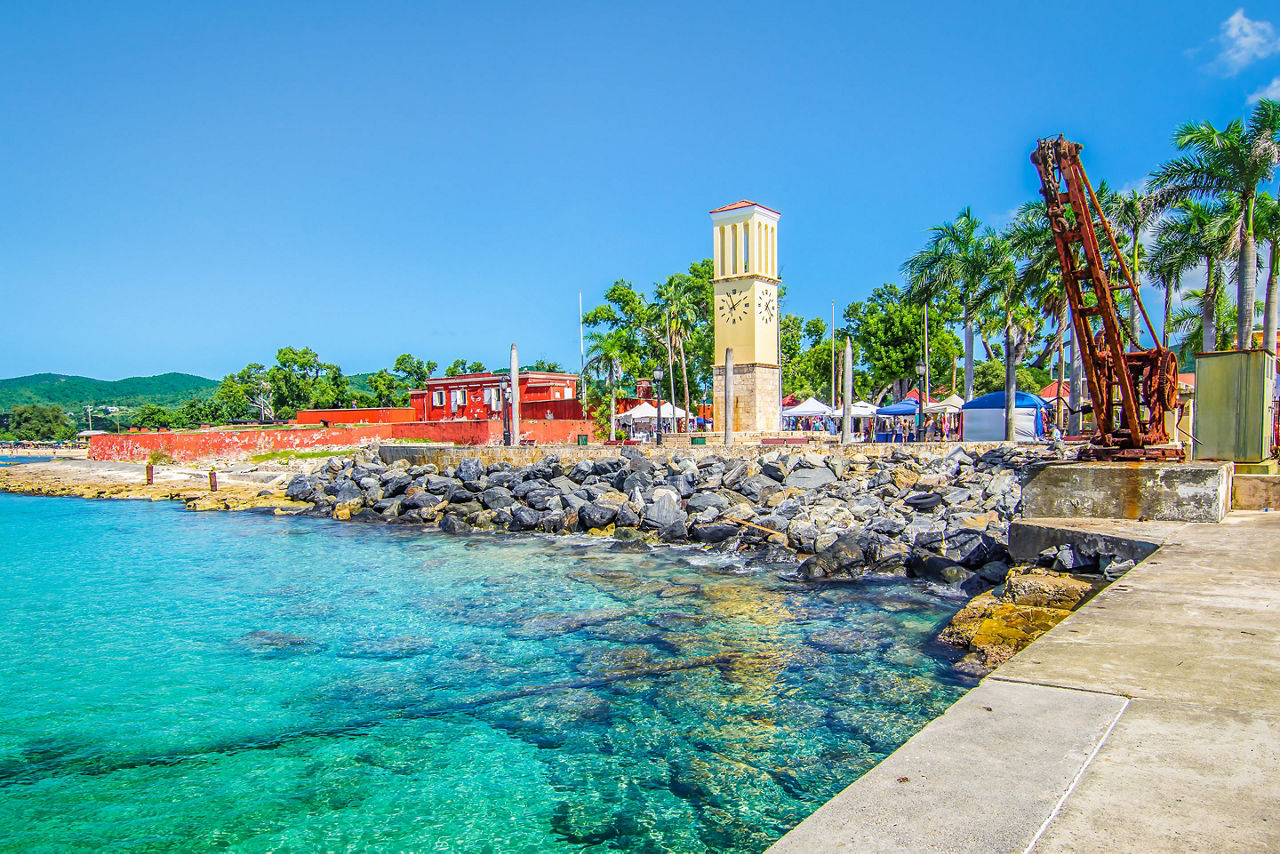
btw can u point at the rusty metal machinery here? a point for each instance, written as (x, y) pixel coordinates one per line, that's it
(1131, 390)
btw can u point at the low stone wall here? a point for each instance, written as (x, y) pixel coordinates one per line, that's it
(1255, 492)
(446, 456)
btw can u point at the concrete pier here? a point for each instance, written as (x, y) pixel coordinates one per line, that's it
(1149, 720)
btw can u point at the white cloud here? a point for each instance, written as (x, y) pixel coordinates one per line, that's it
(1244, 41)
(1271, 91)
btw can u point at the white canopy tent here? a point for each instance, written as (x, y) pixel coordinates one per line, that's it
(861, 409)
(949, 406)
(809, 409)
(649, 412)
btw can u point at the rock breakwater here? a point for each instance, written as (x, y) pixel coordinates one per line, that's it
(943, 517)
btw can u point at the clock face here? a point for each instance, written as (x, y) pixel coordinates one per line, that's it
(766, 308)
(733, 306)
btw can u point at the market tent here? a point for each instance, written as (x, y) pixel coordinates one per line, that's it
(984, 417)
(949, 406)
(901, 408)
(809, 409)
(862, 409)
(647, 411)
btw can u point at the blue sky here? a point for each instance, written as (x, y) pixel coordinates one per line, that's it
(190, 186)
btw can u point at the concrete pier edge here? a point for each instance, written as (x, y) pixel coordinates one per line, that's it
(1145, 721)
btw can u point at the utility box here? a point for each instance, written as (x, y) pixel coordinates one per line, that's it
(1234, 405)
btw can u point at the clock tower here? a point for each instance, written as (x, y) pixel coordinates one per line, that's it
(745, 253)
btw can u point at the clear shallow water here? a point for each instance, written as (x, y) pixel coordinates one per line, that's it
(211, 681)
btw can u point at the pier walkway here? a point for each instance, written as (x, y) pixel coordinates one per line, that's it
(1149, 720)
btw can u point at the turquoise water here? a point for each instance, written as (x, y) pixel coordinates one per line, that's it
(210, 681)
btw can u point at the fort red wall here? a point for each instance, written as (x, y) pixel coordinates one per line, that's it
(233, 444)
(384, 415)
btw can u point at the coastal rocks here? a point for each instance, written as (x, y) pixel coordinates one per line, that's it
(996, 627)
(839, 641)
(542, 626)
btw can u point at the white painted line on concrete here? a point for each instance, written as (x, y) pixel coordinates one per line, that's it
(1057, 808)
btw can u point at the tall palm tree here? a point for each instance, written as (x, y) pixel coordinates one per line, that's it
(1232, 161)
(1266, 215)
(680, 298)
(952, 265)
(1188, 319)
(1032, 242)
(1132, 212)
(1006, 294)
(1191, 236)
(605, 355)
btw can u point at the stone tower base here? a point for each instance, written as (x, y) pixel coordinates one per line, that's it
(757, 394)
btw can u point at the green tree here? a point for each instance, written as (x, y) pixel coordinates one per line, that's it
(151, 416)
(384, 388)
(887, 331)
(412, 371)
(456, 368)
(1231, 162)
(544, 365)
(1132, 212)
(1195, 234)
(1006, 297)
(952, 267)
(39, 422)
(604, 357)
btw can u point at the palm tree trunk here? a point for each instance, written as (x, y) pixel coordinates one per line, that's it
(1273, 301)
(1169, 285)
(1133, 297)
(986, 346)
(684, 369)
(613, 404)
(1010, 378)
(1247, 276)
(1208, 312)
(968, 354)
(1054, 344)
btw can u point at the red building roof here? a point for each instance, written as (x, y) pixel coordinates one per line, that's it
(743, 204)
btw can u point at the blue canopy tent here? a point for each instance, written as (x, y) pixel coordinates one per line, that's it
(983, 417)
(908, 408)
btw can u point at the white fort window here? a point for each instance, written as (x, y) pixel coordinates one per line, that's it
(437, 398)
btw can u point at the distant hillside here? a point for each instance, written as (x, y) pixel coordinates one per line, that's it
(73, 393)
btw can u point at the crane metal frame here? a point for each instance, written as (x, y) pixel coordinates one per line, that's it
(1131, 391)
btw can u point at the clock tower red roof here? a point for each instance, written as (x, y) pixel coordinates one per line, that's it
(743, 204)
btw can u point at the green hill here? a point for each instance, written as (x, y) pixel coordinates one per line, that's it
(74, 393)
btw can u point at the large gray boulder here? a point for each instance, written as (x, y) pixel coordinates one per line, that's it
(497, 497)
(300, 488)
(596, 515)
(843, 559)
(664, 510)
(469, 469)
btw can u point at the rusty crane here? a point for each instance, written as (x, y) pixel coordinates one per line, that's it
(1131, 390)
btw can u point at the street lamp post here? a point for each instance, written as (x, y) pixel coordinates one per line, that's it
(657, 381)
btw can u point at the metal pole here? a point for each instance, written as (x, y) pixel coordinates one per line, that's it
(658, 383)
(515, 397)
(582, 354)
(927, 385)
(846, 431)
(833, 354)
(728, 396)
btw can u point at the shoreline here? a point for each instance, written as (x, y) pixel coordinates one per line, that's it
(814, 519)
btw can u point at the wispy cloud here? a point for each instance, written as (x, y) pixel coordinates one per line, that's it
(1271, 91)
(1243, 41)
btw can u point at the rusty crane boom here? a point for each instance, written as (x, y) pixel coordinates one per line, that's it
(1131, 390)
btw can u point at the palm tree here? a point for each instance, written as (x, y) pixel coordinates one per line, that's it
(1192, 236)
(1267, 220)
(605, 355)
(680, 299)
(952, 264)
(1005, 295)
(1031, 240)
(1231, 161)
(1132, 212)
(1188, 319)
